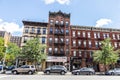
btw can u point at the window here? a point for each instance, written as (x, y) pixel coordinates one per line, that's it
(33, 30)
(98, 35)
(99, 43)
(56, 50)
(43, 40)
(115, 43)
(95, 35)
(67, 51)
(118, 36)
(90, 44)
(74, 53)
(26, 30)
(62, 31)
(67, 32)
(119, 43)
(79, 42)
(25, 39)
(66, 23)
(89, 35)
(61, 22)
(73, 33)
(56, 31)
(107, 35)
(56, 22)
(104, 36)
(56, 40)
(51, 22)
(83, 34)
(80, 53)
(84, 43)
(61, 50)
(50, 50)
(50, 40)
(78, 33)
(51, 30)
(67, 41)
(96, 44)
(38, 30)
(74, 43)
(61, 40)
(91, 54)
(113, 36)
(44, 30)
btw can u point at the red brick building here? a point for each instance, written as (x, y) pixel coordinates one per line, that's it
(85, 40)
(58, 38)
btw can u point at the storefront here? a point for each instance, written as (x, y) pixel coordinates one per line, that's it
(53, 60)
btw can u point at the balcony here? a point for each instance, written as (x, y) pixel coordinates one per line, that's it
(59, 33)
(57, 24)
(62, 25)
(56, 43)
(62, 43)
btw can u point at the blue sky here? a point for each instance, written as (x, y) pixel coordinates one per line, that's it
(99, 13)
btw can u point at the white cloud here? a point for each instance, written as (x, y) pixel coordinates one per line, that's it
(63, 1)
(59, 1)
(49, 1)
(11, 27)
(102, 22)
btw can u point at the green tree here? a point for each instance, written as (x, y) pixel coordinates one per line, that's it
(2, 48)
(107, 55)
(12, 52)
(33, 50)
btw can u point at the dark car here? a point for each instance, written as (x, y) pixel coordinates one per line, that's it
(9, 69)
(56, 69)
(84, 70)
(115, 71)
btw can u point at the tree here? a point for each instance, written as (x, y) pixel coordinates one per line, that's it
(2, 48)
(33, 50)
(106, 55)
(12, 52)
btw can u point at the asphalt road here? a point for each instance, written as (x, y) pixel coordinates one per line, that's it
(41, 76)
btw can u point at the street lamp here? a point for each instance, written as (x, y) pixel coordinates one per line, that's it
(6, 50)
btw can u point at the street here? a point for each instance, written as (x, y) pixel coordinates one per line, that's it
(68, 76)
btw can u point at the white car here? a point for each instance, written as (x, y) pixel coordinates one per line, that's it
(115, 71)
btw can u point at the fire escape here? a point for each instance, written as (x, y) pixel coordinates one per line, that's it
(59, 40)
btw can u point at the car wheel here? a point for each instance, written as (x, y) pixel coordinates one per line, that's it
(90, 73)
(62, 73)
(47, 72)
(14, 72)
(77, 73)
(112, 73)
(30, 72)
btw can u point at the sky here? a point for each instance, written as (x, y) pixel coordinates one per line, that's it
(97, 13)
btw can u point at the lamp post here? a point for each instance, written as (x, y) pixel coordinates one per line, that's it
(4, 59)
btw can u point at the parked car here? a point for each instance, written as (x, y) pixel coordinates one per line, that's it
(30, 69)
(56, 69)
(4, 68)
(84, 70)
(115, 71)
(9, 69)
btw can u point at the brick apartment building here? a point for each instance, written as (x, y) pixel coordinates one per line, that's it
(16, 40)
(58, 38)
(85, 40)
(67, 44)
